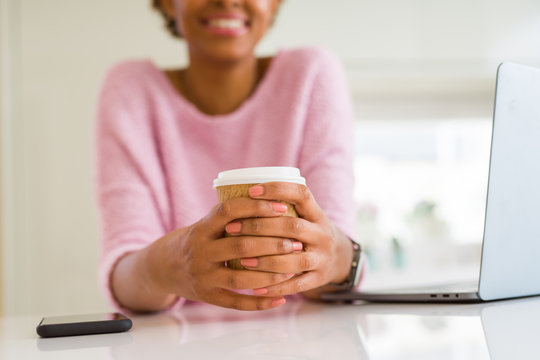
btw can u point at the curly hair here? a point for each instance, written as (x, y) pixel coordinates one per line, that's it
(170, 23)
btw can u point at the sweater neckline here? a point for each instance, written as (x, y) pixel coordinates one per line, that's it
(182, 103)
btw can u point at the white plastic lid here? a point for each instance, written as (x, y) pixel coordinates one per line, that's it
(258, 175)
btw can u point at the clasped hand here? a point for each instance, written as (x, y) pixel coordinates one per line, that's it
(282, 255)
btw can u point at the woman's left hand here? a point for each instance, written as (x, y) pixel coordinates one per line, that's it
(327, 252)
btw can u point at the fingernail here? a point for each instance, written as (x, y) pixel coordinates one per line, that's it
(297, 246)
(277, 302)
(249, 262)
(279, 207)
(233, 227)
(261, 291)
(256, 190)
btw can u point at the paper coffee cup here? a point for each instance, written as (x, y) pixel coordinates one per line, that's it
(236, 183)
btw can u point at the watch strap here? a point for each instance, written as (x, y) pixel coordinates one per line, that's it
(354, 274)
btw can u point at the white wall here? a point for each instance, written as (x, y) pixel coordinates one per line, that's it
(58, 51)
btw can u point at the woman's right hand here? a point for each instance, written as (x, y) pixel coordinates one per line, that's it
(190, 262)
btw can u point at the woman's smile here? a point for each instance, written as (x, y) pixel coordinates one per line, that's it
(226, 24)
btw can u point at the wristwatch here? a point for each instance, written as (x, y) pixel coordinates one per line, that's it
(354, 274)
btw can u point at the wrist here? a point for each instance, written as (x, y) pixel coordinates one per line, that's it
(343, 260)
(130, 286)
(151, 265)
(146, 270)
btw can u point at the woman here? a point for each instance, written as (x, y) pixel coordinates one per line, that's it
(162, 137)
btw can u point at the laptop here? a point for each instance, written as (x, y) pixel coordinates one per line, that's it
(510, 265)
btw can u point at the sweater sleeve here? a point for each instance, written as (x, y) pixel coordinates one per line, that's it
(326, 157)
(131, 192)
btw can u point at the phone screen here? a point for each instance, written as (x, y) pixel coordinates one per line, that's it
(70, 319)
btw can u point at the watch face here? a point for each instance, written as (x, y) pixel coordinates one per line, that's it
(357, 265)
(359, 269)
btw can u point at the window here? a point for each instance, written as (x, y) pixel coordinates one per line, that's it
(421, 190)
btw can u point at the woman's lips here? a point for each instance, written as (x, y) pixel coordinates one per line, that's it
(227, 25)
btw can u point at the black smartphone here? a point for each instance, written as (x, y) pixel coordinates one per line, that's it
(83, 324)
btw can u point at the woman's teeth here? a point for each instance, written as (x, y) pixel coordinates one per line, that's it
(227, 23)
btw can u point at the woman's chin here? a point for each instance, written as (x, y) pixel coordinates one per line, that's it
(228, 53)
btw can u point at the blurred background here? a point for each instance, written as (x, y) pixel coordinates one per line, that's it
(422, 75)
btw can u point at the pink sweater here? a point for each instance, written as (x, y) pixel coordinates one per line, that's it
(157, 154)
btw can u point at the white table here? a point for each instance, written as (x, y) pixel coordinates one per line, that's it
(301, 330)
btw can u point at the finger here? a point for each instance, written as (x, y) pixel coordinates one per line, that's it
(284, 264)
(229, 299)
(284, 226)
(238, 208)
(245, 279)
(296, 194)
(237, 247)
(297, 284)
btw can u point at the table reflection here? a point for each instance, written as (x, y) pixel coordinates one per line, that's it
(84, 342)
(297, 330)
(309, 330)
